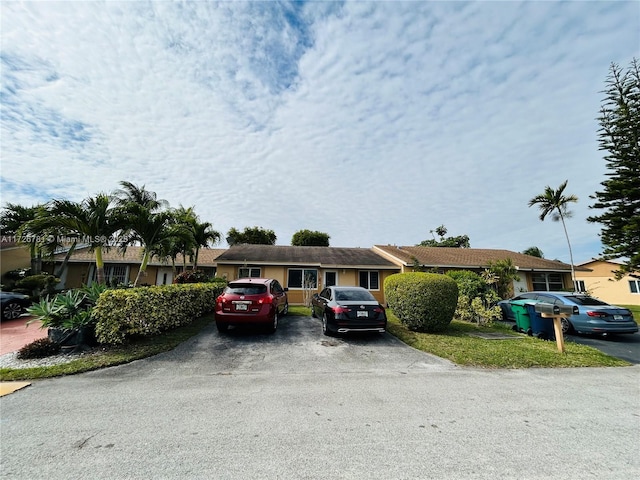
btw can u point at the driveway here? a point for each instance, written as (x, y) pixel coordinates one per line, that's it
(626, 347)
(300, 405)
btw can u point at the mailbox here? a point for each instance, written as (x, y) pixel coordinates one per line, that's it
(551, 309)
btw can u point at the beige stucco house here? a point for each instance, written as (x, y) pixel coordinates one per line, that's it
(308, 269)
(123, 268)
(13, 256)
(598, 279)
(534, 273)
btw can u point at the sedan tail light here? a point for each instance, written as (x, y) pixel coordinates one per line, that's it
(591, 313)
(379, 309)
(340, 309)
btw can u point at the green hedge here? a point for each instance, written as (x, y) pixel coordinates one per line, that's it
(148, 311)
(424, 302)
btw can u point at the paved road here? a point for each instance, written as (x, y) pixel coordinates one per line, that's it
(302, 406)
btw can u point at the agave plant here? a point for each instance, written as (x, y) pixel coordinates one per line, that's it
(67, 311)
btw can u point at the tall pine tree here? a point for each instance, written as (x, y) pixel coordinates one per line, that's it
(620, 138)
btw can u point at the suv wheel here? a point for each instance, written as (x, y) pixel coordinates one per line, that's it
(274, 326)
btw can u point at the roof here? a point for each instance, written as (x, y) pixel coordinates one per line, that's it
(452, 257)
(326, 257)
(206, 256)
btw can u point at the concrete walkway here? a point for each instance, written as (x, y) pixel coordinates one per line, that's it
(14, 334)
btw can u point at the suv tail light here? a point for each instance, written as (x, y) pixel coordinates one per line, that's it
(267, 299)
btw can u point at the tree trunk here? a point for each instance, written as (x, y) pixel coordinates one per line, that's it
(143, 268)
(99, 266)
(60, 270)
(573, 272)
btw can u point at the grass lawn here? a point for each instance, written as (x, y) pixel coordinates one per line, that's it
(635, 309)
(456, 344)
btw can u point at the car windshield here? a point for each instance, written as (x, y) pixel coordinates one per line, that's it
(354, 295)
(246, 289)
(585, 300)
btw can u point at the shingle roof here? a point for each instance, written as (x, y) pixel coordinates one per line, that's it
(467, 257)
(316, 256)
(206, 256)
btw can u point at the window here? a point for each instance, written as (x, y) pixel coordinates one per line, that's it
(249, 272)
(330, 279)
(114, 274)
(303, 278)
(634, 286)
(578, 285)
(369, 279)
(547, 282)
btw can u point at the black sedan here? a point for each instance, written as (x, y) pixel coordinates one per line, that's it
(348, 309)
(13, 305)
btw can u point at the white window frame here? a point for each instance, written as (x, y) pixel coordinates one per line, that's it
(250, 272)
(579, 286)
(547, 282)
(122, 278)
(368, 286)
(335, 272)
(303, 277)
(634, 284)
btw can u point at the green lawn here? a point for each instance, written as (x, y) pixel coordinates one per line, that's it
(459, 345)
(635, 309)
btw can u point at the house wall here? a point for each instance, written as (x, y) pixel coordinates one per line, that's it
(12, 258)
(601, 283)
(345, 277)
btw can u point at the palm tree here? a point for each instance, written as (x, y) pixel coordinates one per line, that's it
(534, 252)
(554, 202)
(130, 193)
(92, 221)
(204, 236)
(12, 224)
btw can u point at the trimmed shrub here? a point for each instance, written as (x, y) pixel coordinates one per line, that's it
(121, 314)
(43, 347)
(424, 302)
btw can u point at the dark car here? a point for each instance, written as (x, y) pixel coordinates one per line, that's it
(348, 309)
(259, 301)
(590, 314)
(13, 304)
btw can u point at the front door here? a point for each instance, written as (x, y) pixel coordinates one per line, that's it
(165, 276)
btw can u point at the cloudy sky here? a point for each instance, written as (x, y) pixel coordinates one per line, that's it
(374, 122)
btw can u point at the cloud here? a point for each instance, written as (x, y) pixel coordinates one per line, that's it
(372, 121)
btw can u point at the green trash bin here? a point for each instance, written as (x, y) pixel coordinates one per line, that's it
(523, 321)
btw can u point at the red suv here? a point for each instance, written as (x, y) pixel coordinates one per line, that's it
(251, 301)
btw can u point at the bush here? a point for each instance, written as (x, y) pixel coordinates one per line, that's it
(43, 347)
(121, 314)
(424, 302)
(470, 284)
(191, 276)
(36, 285)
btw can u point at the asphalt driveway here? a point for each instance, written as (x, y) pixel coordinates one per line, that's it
(303, 406)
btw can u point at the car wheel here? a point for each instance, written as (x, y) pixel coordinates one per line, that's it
(285, 310)
(313, 312)
(274, 326)
(222, 327)
(566, 326)
(11, 311)
(325, 327)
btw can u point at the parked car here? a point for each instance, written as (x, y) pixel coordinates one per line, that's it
(13, 304)
(590, 314)
(259, 301)
(348, 309)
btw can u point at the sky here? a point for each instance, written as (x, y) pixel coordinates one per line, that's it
(373, 122)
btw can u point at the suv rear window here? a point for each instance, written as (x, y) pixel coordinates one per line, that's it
(246, 289)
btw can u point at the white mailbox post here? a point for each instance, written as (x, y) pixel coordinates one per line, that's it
(557, 313)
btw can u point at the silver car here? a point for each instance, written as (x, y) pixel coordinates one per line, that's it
(590, 314)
